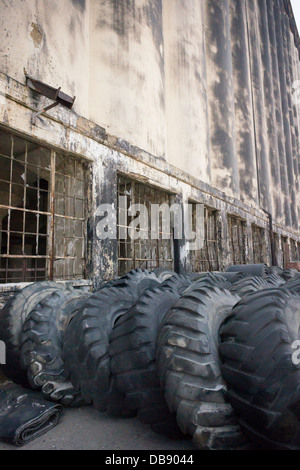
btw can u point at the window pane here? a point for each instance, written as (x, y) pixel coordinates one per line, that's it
(17, 195)
(43, 224)
(5, 144)
(32, 176)
(16, 221)
(5, 168)
(4, 193)
(30, 245)
(31, 199)
(59, 184)
(70, 186)
(3, 243)
(19, 149)
(31, 222)
(18, 172)
(15, 243)
(70, 207)
(44, 179)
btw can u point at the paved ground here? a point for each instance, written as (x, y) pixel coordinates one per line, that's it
(86, 429)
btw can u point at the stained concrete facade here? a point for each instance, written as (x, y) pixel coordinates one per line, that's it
(191, 96)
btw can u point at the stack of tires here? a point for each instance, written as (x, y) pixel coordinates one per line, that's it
(204, 355)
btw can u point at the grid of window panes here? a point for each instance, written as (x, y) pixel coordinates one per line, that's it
(237, 240)
(27, 208)
(143, 253)
(258, 241)
(69, 218)
(207, 258)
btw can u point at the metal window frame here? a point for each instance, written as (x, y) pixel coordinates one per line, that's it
(238, 250)
(258, 240)
(201, 260)
(50, 256)
(145, 262)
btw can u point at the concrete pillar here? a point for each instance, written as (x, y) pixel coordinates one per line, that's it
(224, 163)
(245, 139)
(281, 51)
(292, 111)
(261, 132)
(270, 110)
(286, 207)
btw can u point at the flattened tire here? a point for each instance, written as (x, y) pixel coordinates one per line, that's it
(42, 340)
(86, 341)
(189, 367)
(132, 352)
(12, 318)
(263, 383)
(260, 270)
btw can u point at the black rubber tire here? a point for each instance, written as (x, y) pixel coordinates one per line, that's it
(249, 285)
(163, 273)
(138, 280)
(42, 345)
(274, 280)
(189, 367)
(133, 363)
(263, 383)
(231, 277)
(178, 282)
(212, 280)
(275, 270)
(260, 270)
(12, 318)
(289, 274)
(293, 285)
(87, 339)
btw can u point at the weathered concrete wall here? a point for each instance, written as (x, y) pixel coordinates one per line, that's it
(50, 39)
(186, 87)
(200, 92)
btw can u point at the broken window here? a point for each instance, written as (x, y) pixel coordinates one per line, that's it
(42, 212)
(143, 252)
(237, 240)
(207, 258)
(259, 244)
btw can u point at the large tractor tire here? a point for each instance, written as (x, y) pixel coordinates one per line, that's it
(263, 380)
(289, 274)
(189, 367)
(87, 339)
(274, 280)
(132, 352)
(12, 318)
(178, 282)
(293, 285)
(211, 280)
(249, 285)
(163, 273)
(42, 340)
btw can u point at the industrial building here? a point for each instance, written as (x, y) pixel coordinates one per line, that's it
(177, 101)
